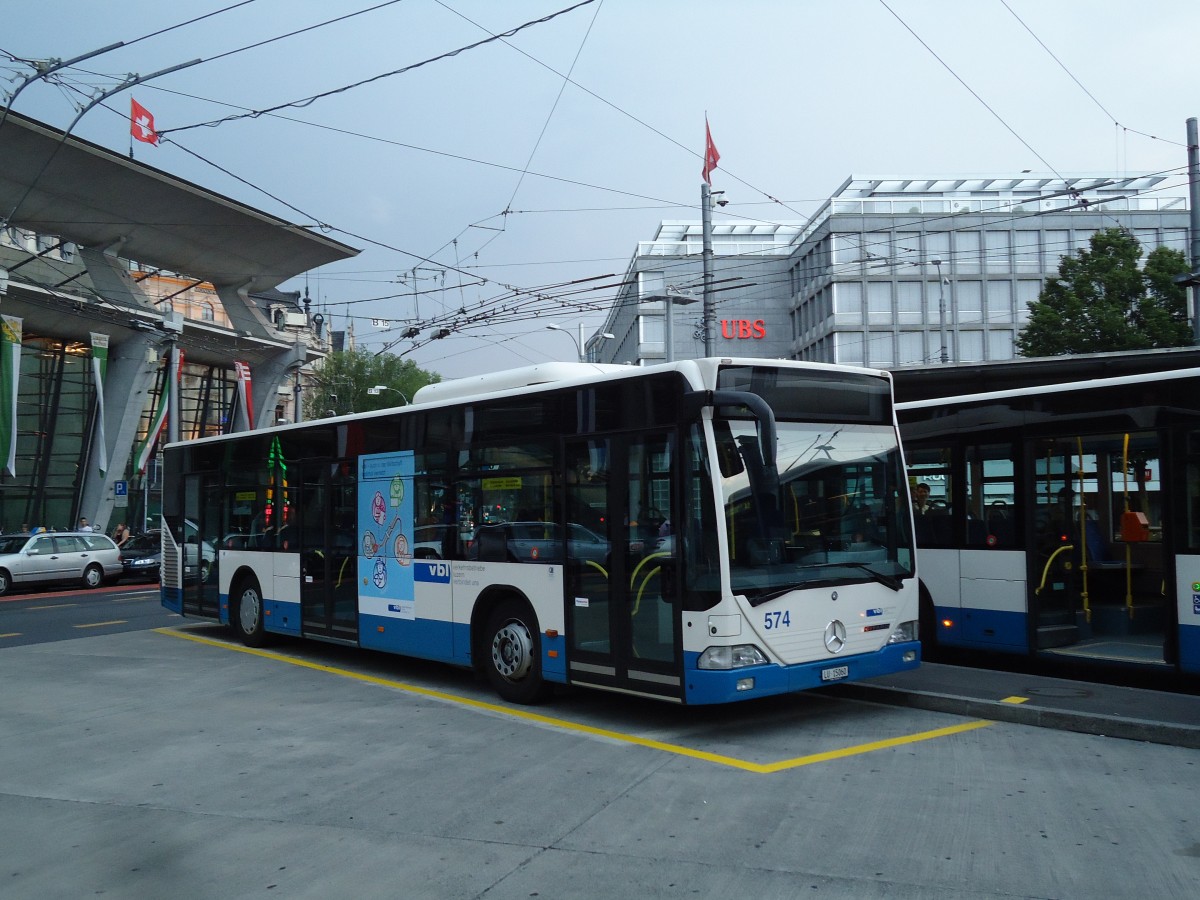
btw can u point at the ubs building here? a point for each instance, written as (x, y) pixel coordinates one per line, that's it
(889, 272)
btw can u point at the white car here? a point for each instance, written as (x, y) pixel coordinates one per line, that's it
(89, 558)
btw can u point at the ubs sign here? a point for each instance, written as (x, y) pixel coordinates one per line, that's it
(743, 329)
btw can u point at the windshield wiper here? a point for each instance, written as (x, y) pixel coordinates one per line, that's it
(778, 592)
(883, 578)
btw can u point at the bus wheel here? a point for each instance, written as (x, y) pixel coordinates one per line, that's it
(246, 616)
(512, 654)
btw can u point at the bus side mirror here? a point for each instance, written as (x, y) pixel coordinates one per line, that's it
(691, 404)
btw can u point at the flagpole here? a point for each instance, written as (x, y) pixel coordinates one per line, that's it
(706, 224)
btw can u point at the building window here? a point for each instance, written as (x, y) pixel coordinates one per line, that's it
(911, 348)
(847, 302)
(879, 302)
(1058, 245)
(848, 347)
(967, 252)
(846, 249)
(908, 300)
(1027, 253)
(1000, 344)
(881, 352)
(999, 302)
(968, 301)
(970, 346)
(999, 251)
(206, 312)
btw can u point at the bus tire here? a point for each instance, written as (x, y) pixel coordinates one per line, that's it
(512, 653)
(246, 613)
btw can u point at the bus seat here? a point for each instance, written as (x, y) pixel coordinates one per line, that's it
(1097, 547)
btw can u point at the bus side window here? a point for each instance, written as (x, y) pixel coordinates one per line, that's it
(991, 496)
(931, 490)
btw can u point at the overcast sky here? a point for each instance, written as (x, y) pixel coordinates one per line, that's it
(417, 168)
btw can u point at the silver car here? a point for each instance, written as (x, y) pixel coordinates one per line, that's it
(55, 557)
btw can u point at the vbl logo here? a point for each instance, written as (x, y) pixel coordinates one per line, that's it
(743, 329)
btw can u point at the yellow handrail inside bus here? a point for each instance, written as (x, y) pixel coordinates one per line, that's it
(1046, 571)
(637, 604)
(645, 559)
(603, 571)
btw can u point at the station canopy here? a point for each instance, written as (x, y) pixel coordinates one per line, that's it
(61, 185)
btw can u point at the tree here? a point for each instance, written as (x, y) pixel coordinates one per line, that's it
(1102, 302)
(341, 381)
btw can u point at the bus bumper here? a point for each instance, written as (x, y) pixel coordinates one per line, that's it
(727, 685)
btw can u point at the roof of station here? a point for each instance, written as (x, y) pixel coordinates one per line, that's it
(1024, 183)
(54, 183)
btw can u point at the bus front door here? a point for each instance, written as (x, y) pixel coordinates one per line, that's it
(622, 608)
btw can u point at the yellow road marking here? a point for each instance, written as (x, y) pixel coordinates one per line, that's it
(101, 624)
(733, 762)
(1015, 700)
(54, 606)
(11, 634)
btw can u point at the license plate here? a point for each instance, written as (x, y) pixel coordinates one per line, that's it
(835, 674)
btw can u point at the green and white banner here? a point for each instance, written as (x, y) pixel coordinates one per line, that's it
(145, 449)
(99, 367)
(10, 374)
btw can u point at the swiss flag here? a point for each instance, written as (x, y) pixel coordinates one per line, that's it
(711, 156)
(141, 123)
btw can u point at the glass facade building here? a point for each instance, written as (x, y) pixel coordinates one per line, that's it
(894, 271)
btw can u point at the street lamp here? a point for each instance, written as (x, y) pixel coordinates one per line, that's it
(380, 388)
(672, 298)
(937, 264)
(604, 335)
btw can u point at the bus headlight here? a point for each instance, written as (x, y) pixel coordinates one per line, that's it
(731, 657)
(905, 631)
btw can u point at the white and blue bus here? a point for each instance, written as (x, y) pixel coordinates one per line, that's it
(703, 531)
(1063, 523)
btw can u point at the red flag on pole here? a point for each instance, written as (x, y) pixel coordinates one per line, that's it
(711, 156)
(141, 123)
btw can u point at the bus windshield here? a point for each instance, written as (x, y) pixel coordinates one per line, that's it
(834, 513)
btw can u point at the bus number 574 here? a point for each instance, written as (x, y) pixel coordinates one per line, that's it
(778, 619)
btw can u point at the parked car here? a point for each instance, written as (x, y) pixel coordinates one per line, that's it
(89, 558)
(536, 542)
(435, 541)
(236, 540)
(141, 556)
(206, 558)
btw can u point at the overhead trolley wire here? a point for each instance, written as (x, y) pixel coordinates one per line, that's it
(308, 101)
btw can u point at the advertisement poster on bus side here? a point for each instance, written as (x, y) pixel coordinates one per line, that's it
(385, 534)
